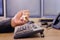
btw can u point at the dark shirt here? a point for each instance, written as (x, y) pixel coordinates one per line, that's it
(5, 26)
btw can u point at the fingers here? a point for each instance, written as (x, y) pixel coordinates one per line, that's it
(26, 12)
(20, 13)
(16, 19)
(20, 22)
(25, 15)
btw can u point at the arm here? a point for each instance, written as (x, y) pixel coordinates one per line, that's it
(5, 26)
(10, 24)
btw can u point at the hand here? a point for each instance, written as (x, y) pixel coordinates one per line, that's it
(16, 20)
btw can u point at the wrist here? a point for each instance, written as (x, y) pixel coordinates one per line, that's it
(12, 23)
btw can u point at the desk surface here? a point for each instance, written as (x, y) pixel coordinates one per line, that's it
(51, 34)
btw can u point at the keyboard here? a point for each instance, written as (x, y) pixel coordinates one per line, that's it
(27, 30)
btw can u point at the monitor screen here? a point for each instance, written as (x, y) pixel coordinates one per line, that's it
(51, 8)
(13, 6)
(1, 8)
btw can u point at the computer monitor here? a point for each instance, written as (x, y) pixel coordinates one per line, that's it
(51, 8)
(1, 8)
(13, 6)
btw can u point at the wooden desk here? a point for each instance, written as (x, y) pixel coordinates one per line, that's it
(50, 34)
(6, 36)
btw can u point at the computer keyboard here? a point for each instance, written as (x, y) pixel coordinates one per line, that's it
(27, 30)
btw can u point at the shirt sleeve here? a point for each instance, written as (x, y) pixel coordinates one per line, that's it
(5, 26)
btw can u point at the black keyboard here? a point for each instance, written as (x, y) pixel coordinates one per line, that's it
(27, 30)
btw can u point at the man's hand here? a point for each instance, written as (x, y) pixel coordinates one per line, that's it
(16, 20)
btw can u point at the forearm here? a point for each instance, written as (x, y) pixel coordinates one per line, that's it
(5, 26)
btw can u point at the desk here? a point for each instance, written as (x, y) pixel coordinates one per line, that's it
(50, 34)
(9, 36)
(6, 36)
